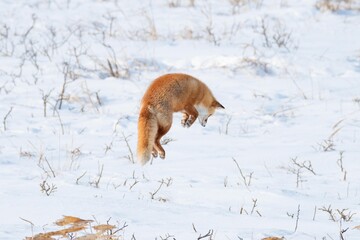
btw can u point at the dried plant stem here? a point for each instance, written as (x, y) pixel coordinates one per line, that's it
(45, 98)
(246, 182)
(52, 171)
(96, 183)
(78, 179)
(59, 118)
(209, 234)
(131, 155)
(157, 190)
(5, 118)
(31, 224)
(297, 218)
(62, 93)
(314, 213)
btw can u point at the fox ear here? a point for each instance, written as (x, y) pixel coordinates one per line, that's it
(218, 105)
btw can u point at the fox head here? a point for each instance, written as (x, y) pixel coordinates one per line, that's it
(206, 111)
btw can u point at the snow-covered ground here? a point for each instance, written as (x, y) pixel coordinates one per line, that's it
(281, 160)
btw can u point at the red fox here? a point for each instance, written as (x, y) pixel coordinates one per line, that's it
(168, 94)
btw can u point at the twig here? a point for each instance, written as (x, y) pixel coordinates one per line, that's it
(45, 99)
(194, 228)
(157, 190)
(47, 188)
(166, 140)
(131, 156)
(78, 179)
(246, 182)
(345, 216)
(98, 99)
(30, 28)
(97, 182)
(5, 118)
(88, 93)
(297, 85)
(120, 229)
(227, 125)
(59, 118)
(297, 218)
(111, 70)
(209, 29)
(329, 211)
(41, 165)
(167, 237)
(327, 145)
(66, 73)
(303, 165)
(52, 171)
(264, 32)
(340, 164)
(314, 213)
(209, 234)
(31, 224)
(342, 231)
(254, 205)
(243, 210)
(132, 185)
(226, 181)
(108, 147)
(27, 221)
(257, 211)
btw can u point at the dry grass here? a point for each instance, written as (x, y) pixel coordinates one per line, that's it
(273, 238)
(337, 5)
(78, 229)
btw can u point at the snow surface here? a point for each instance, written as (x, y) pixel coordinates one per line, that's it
(292, 111)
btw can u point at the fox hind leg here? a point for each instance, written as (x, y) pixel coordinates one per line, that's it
(161, 132)
(154, 153)
(159, 149)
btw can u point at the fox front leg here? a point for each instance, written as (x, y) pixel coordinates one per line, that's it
(184, 119)
(189, 116)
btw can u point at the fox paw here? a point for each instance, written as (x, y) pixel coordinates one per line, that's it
(189, 123)
(162, 155)
(186, 123)
(155, 154)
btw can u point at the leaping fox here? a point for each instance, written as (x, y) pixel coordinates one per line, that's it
(168, 94)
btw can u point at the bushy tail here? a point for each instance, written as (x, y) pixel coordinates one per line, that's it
(147, 129)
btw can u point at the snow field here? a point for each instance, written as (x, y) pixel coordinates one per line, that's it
(280, 160)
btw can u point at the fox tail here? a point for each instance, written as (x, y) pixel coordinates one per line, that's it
(147, 129)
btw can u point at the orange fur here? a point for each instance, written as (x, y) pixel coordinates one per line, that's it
(168, 94)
